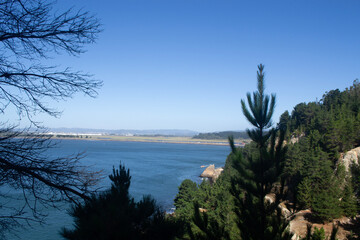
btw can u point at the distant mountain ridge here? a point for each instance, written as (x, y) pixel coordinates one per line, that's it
(163, 132)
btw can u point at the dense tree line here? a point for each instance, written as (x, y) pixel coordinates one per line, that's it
(333, 123)
(222, 135)
(316, 133)
(321, 131)
(114, 214)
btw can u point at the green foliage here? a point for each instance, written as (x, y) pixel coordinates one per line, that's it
(348, 202)
(324, 130)
(184, 199)
(355, 171)
(326, 206)
(313, 180)
(215, 199)
(319, 234)
(335, 117)
(207, 228)
(304, 195)
(257, 173)
(318, 132)
(114, 214)
(326, 194)
(222, 135)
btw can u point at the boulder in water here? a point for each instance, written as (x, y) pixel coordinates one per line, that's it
(211, 172)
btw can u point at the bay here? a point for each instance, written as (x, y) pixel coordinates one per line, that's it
(156, 169)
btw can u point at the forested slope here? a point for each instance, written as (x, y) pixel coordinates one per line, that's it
(313, 178)
(324, 130)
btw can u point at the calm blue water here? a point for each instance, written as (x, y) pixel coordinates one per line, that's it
(156, 169)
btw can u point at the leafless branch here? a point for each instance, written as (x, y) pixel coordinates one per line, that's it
(31, 33)
(25, 164)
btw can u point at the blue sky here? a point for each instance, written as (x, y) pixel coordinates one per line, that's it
(186, 64)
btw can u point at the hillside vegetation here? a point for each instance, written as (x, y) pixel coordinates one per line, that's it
(316, 134)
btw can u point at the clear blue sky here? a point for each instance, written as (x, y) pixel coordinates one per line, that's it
(186, 64)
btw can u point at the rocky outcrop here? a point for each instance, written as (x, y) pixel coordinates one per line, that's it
(296, 138)
(300, 220)
(350, 157)
(208, 172)
(211, 173)
(284, 210)
(297, 225)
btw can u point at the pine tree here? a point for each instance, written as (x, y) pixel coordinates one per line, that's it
(185, 198)
(319, 234)
(326, 194)
(304, 193)
(114, 214)
(206, 228)
(259, 218)
(348, 202)
(212, 215)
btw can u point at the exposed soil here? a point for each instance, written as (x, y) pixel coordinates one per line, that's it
(346, 225)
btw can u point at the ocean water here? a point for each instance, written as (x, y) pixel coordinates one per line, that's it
(156, 169)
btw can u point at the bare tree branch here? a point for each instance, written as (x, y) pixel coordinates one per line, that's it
(25, 164)
(30, 29)
(31, 33)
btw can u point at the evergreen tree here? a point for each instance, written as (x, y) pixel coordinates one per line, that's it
(310, 171)
(258, 174)
(326, 194)
(205, 228)
(348, 202)
(208, 209)
(183, 201)
(114, 214)
(304, 194)
(326, 206)
(319, 234)
(355, 173)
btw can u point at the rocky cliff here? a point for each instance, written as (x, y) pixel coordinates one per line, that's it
(350, 157)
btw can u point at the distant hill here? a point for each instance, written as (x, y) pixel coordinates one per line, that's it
(222, 135)
(123, 132)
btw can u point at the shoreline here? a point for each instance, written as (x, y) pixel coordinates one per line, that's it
(151, 139)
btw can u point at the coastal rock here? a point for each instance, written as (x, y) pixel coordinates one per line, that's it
(211, 172)
(208, 172)
(350, 157)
